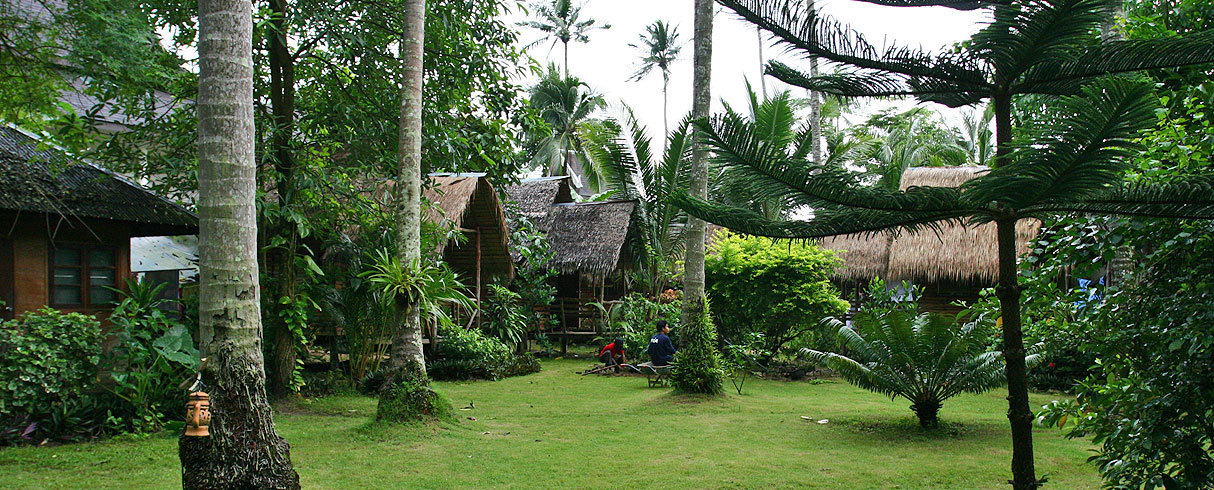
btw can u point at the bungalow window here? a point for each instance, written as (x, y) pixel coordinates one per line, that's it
(82, 276)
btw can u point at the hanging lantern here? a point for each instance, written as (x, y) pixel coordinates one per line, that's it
(198, 415)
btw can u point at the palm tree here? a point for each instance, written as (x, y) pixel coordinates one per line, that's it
(914, 138)
(622, 154)
(661, 48)
(565, 104)
(977, 137)
(406, 363)
(1071, 162)
(699, 366)
(560, 21)
(924, 358)
(243, 450)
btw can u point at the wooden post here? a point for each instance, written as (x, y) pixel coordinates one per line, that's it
(564, 329)
(478, 277)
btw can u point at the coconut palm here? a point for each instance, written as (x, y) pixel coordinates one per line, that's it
(560, 21)
(660, 46)
(621, 151)
(243, 450)
(977, 137)
(915, 138)
(1071, 162)
(565, 104)
(925, 358)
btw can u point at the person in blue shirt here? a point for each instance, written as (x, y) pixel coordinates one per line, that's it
(661, 350)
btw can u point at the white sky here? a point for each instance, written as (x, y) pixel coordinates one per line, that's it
(606, 62)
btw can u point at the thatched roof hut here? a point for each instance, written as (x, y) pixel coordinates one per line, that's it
(468, 202)
(953, 253)
(534, 198)
(590, 237)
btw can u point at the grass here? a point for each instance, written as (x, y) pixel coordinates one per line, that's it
(559, 430)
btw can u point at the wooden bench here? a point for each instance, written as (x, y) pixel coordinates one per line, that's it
(656, 375)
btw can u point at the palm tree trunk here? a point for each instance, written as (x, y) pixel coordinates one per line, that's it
(243, 450)
(1019, 415)
(665, 110)
(762, 63)
(406, 344)
(565, 46)
(693, 274)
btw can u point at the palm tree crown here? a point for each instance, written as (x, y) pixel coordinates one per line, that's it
(565, 104)
(660, 47)
(561, 21)
(1072, 161)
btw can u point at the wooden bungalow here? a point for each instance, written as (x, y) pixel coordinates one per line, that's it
(67, 227)
(951, 265)
(469, 203)
(590, 254)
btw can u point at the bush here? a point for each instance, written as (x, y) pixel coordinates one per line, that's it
(781, 290)
(152, 355)
(698, 364)
(465, 354)
(504, 315)
(48, 364)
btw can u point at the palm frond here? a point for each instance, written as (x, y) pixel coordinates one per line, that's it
(1191, 197)
(768, 173)
(874, 83)
(953, 4)
(1115, 57)
(803, 29)
(825, 223)
(1077, 156)
(1024, 34)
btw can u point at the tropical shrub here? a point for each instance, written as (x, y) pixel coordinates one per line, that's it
(697, 366)
(1148, 406)
(781, 290)
(532, 273)
(153, 354)
(48, 364)
(470, 354)
(924, 358)
(503, 315)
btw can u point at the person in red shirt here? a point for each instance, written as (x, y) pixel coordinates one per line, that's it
(613, 354)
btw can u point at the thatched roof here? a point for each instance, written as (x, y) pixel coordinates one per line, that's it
(534, 198)
(954, 253)
(469, 202)
(44, 180)
(590, 237)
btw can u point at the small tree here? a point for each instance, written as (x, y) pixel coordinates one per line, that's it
(781, 291)
(698, 365)
(923, 358)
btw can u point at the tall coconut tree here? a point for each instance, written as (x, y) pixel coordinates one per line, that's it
(565, 104)
(406, 363)
(243, 450)
(1072, 161)
(660, 48)
(562, 22)
(698, 369)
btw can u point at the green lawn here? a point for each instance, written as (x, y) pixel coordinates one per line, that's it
(559, 430)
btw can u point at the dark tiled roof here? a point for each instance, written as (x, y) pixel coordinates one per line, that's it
(48, 181)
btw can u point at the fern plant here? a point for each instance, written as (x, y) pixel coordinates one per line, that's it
(925, 358)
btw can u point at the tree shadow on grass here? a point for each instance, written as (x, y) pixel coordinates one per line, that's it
(908, 429)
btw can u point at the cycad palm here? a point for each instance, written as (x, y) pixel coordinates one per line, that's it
(660, 46)
(562, 22)
(924, 358)
(565, 104)
(622, 154)
(1074, 162)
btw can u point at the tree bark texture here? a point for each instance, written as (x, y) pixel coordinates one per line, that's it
(243, 451)
(1019, 415)
(282, 104)
(407, 343)
(693, 273)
